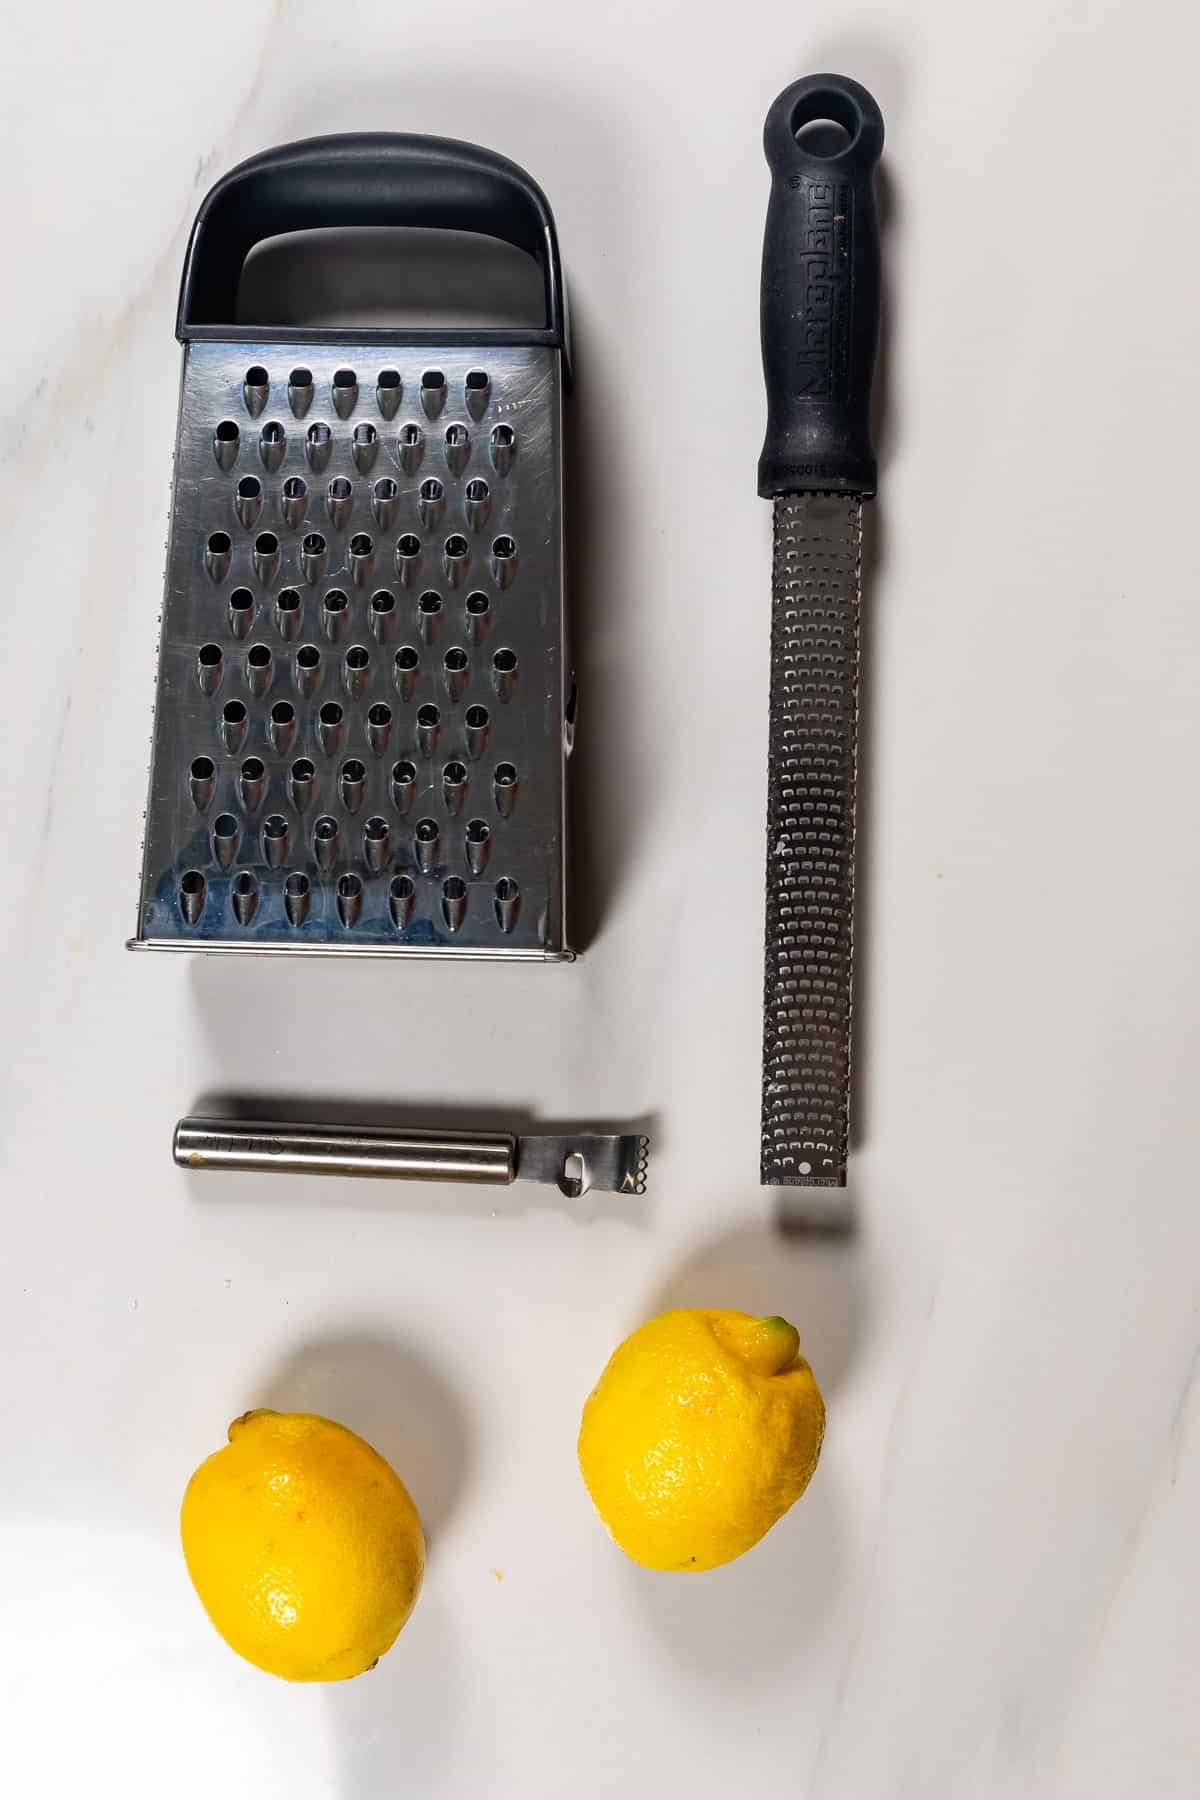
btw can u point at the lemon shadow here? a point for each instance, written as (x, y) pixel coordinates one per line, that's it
(392, 1395)
(812, 1278)
(768, 1616)
(399, 1714)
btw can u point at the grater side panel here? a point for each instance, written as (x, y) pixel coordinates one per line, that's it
(364, 494)
(816, 603)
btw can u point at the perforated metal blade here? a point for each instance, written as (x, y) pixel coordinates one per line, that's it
(816, 604)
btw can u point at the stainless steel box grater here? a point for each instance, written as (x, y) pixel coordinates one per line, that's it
(363, 707)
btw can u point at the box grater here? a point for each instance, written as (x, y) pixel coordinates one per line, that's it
(363, 707)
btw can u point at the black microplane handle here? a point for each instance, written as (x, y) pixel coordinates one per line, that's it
(820, 289)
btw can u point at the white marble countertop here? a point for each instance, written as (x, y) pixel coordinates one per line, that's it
(992, 1588)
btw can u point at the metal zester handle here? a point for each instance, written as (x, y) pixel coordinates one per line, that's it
(574, 1164)
(820, 326)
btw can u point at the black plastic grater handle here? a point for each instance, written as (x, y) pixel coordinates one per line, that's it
(362, 178)
(820, 292)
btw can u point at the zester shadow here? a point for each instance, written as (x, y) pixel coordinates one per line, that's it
(382, 1195)
(764, 1616)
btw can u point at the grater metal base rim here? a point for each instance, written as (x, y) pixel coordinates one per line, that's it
(379, 953)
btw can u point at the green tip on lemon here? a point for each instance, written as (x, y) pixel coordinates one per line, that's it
(779, 1343)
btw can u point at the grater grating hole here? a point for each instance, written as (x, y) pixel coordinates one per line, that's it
(331, 713)
(379, 715)
(477, 490)
(404, 772)
(426, 831)
(360, 544)
(340, 488)
(249, 487)
(430, 604)
(297, 884)
(209, 656)
(241, 601)
(455, 660)
(234, 712)
(191, 882)
(432, 488)
(319, 433)
(203, 768)
(308, 657)
(253, 769)
(454, 887)
(477, 380)
(303, 769)
(407, 659)
(283, 712)
(386, 488)
(300, 378)
(383, 603)
(503, 548)
(503, 436)
(457, 547)
(266, 543)
(354, 770)
(410, 436)
(409, 545)
(365, 435)
(427, 715)
(286, 601)
(376, 828)
(345, 378)
(225, 826)
(456, 436)
(273, 432)
(257, 376)
(478, 831)
(219, 543)
(506, 888)
(295, 488)
(504, 662)
(357, 657)
(433, 379)
(275, 826)
(506, 774)
(258, 656)
(325, 829)
(228, 432)
(389, 378)
(402, 887)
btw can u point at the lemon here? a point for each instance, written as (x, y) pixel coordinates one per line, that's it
(303, 1546)
(703, 1429)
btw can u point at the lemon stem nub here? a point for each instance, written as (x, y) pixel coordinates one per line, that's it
(778, 1345)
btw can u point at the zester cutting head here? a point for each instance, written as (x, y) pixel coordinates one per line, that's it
(359, 738)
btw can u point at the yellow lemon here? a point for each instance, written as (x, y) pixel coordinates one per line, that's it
(303, 1546)
(701, 1432)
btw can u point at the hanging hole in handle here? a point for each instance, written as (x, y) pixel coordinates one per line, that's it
(575, 1178)
(825, 124)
